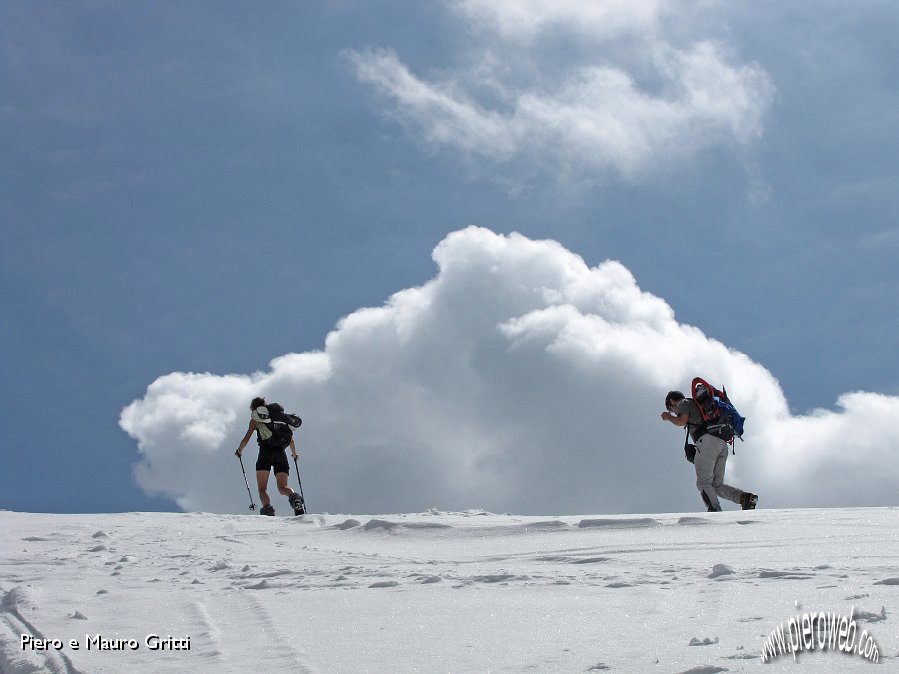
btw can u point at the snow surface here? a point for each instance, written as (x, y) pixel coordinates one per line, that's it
(443, 592)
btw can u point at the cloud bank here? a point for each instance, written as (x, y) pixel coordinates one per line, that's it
(519, 379)
(582, 90)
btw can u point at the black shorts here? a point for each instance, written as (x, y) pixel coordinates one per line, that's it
(272, 457)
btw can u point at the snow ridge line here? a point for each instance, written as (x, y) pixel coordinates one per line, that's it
(13, 659)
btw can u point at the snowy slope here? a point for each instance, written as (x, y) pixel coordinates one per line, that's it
(441, 592)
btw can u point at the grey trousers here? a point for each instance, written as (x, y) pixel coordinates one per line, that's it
(710, 461)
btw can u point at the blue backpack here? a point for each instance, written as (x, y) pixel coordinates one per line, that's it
(721, 418)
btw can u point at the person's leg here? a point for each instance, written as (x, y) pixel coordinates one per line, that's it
(282, 472)
(725, 491)
(262, 485)
(281, 479)
(263, 467)
(706, 455)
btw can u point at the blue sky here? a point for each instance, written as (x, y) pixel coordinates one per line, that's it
(203, 187)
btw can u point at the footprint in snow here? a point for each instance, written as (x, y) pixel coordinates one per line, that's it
(742, 656)
(720, 570)
(498, 578)
(589, 560)
(705, 669)
(348, 524)
(78, 615)
(261, 585)
(867, 616)
(888, 581)
(97, 548)
(100, 534)
(386, 525)
(786, 575)
(385, 583)
(696, 641)
(546, 525)
(611, 523)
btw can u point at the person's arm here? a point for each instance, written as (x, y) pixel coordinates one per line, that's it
(680, 416)
(246, 438)
(676, 419)
(293, 449)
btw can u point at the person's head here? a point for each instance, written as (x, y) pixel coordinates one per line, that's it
(256, 403)
(672, 399)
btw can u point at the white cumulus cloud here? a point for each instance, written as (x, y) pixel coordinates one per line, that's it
(526, 19)
(631, 101)
(518, 379)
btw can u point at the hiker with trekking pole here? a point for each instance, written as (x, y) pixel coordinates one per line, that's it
(274, 434)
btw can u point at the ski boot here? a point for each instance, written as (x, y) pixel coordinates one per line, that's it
(267, 510)
(748, 500)
(296, 502)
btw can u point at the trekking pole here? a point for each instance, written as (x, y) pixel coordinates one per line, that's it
(300, 482)
(252, 505)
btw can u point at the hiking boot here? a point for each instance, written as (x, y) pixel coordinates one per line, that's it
(713, 509)
(267, 510)
(296, 502)
(748, 500)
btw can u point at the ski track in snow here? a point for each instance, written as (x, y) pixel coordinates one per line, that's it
(441, 592)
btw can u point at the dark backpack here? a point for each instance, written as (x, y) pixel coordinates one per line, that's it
(279, 423)
(720, 417)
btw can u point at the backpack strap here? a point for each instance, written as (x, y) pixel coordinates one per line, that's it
(689, 448)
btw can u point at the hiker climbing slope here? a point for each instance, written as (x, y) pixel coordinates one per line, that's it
(274, 433)
(711, 449)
